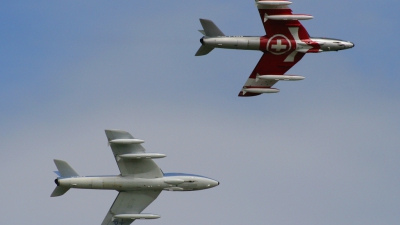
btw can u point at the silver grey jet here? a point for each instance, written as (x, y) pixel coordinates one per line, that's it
(139, 183)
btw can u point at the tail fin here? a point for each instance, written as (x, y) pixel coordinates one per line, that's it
(58, 191)
(64, 169)
(204, 50)
(210, 28)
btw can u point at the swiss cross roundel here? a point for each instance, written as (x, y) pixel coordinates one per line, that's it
(278, 44)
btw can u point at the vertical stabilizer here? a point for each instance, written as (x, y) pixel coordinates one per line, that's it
(65, 169)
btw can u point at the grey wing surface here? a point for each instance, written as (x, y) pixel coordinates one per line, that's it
(143, 168)
(131, 202)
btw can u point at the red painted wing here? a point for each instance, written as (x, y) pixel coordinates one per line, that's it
(278, 45)
(273, 27)
(270, 64)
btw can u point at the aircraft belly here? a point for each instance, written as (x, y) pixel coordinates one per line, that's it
(254, 44)
(238, 43)
(227, 43)
(81, 182)
(97, 183)
(242, 44)
(245, 43)
(132, 184)
(109, 183)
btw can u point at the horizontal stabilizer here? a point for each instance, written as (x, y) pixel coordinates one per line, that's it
(210, 28)
(202, 32)
(58, 191)
(58, 173)
(204, 50)
(65, 169)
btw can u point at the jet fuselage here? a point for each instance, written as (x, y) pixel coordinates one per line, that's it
(276, 44)
(284, 44)
(170, 182)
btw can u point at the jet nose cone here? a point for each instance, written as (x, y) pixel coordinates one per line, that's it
(350, 45)
(215, 183)
(210, 183)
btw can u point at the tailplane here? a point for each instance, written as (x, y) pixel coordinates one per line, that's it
(204, 50)
(210, 29)
(58, 191)
(64, 169)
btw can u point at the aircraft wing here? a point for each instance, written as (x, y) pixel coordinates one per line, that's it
(132, 202)
(123, 143)
(269, 64)
(280, 51)
(277, 18)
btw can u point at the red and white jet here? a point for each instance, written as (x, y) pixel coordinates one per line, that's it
(283, 46)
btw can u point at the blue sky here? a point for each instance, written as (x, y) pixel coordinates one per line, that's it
(324, 150)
